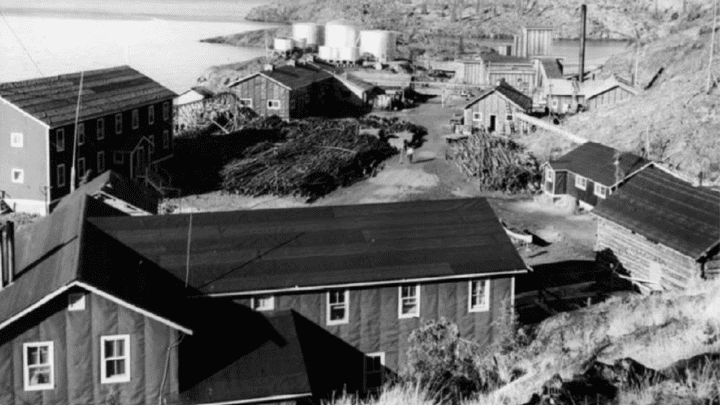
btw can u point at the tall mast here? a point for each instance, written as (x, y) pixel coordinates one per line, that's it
(75, 135)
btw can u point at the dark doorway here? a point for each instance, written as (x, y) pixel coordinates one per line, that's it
(491, 127)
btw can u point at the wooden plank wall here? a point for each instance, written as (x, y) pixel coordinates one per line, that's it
(260, 89)
(636, 254)
(609, 97)
(493, 105)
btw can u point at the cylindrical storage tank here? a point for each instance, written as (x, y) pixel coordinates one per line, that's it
(340, 34)
(349, 54)
(325, 53)
(381, 44)
(283, 44)
(300, 43)
(312, 33)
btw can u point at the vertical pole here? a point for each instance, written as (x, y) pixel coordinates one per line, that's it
(581, 68)
(712, 48)
(10, 250)
(75, 134)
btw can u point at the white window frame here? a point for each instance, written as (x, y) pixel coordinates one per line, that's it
(482, 306)
(273, 104)
(60, 169)
(104, 379)
(81, 133)
(118, 123)
(151, 114)
(580, 182)
(414, 314)
(345, 305)
(246, 102)
(19, 179)
(100, 129)
(367, 372)
(100, 158)
(60, 140)
(116, 160)
(270, 307)
(26, 367)
(598, 191)
(16, 140)
(81, 167)
(477, 116)
(166, 111)
(76, 302)
(166, 139)
(135, 119)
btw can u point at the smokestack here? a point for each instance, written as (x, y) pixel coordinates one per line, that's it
(581, 67)
(7, 254)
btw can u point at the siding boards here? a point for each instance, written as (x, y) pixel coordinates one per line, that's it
(493, 105)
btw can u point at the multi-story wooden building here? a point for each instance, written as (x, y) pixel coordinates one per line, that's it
(664, 231)
(488, 69)
(495, 110)
(124, 122)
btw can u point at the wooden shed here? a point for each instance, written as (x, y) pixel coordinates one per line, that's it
(609, 91)
(664, 231)
(489, 68)
(496, 109)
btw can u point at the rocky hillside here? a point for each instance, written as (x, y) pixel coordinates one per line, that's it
(675, 115)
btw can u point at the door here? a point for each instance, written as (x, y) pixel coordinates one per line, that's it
(491, 127)
(139, 162)
(549, 181)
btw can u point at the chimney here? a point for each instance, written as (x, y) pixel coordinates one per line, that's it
(581, 67)
(7, 254)
(268, 68)
(500, 81)
(290, 62)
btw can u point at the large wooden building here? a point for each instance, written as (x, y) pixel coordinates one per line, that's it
(488, 69)
(664, 231)
(589, 173)
(496, 109)
(124, 124)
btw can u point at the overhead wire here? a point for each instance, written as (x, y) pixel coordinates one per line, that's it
(22, 45)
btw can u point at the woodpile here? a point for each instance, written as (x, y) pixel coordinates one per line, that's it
(499, 163)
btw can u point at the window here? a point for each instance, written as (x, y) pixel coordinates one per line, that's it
(60, 173)
(273, 104)
(508, 117)
(246, 102)
(166, 139)
(18, 176)
(601, 191)
(374, 367)
(580, 182)
(135, 119)
(81, 134)
(81, 167)
(38, 366)
(100, 129)
(337, 307)
(555, 104)
(263, 303)
(60, 140)
(166, 111)
(409, 301)
(115, 359)
(479, 295)
(100, 162)
(118, 158)
(477, 116)
(118, 124)
(151, 114)
(16, 140)
(76, 302)
(151, 138)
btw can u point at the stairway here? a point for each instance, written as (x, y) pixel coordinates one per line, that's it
(509, 112)
(161, 182)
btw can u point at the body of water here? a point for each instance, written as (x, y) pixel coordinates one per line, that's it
(167, 50)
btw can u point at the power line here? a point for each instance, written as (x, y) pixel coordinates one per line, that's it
(21, 43)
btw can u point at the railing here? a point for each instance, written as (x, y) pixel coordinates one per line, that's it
(160, 182)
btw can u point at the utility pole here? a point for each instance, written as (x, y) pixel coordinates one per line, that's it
(75, 135)
(711, 79)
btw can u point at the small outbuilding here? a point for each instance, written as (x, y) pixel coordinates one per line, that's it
(609, 91)
(664, 231)
(495, 110)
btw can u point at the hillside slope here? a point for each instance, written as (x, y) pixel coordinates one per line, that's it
(675, 115)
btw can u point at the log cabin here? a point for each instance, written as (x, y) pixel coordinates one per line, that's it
(589, 173)
(124, 123)
(664, 231)
(495, 110)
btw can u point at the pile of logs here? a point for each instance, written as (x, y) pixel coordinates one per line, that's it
(499, 163)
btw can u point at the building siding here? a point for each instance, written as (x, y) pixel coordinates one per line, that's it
(611, 96)
(76, 337)
(261, 89)
(493, 105)
(374, 326)
(587, 195)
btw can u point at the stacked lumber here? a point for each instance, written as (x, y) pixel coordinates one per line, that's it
(499, 163)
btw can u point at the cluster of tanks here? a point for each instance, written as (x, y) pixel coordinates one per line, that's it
(340, 42)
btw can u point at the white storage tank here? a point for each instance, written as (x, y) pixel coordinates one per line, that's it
(340, 34)
(312, 33)
(325, 53)
(283, 44)
(348, 54)
(379, 43)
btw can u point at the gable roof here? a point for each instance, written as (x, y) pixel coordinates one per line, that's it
(244, 252)
(553, 68)
(114, 185)
(562, 87)
(292, 77)
(592, 88)
(53, 99)
(666, 210)
(509, 92)
(496, 58)
(597, 163)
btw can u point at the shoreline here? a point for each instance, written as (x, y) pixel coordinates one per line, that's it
(97, 14)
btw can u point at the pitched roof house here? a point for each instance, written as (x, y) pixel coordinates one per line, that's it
(492, 67)
(664, 231)
(589, 172)
(495, 109)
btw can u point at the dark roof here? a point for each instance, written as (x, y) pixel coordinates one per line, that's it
(120, 187)
(597, 163)
(553, 68)
(666, 210)
(504, 59)
(53, 99)
(294, 77)
(511, 93)
(243, 251)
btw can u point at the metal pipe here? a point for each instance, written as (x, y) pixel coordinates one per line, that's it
(3, 256)
(581, 68)
(10, 251)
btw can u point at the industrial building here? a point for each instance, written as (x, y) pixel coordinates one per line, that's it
(533, 42)
(488, 69)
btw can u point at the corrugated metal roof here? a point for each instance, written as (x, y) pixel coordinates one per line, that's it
(666, 210)
(511, 93)
(53, 99)
(597, 163)
(242, 251)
